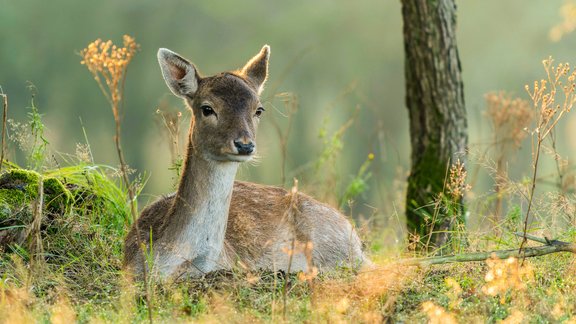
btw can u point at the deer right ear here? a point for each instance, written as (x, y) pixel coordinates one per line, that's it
(180, 75)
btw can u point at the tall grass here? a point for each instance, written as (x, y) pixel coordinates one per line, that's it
(109, 66)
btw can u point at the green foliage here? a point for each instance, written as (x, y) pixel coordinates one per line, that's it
(359, 184)
(37, 151)
(332, 145)
(325, 166)
(176, 168)
(29, 136)
(97, 195)
(513, 219)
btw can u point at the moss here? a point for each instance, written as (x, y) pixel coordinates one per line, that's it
(58, 199)
(19, 188)
(12, 197)
(5, 209)
(22, 180)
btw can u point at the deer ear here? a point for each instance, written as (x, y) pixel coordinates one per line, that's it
(257, 68)
(180, 75)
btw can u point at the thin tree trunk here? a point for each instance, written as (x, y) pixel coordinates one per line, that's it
(435, 101)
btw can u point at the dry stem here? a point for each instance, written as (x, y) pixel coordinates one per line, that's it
(4, 119)
(290, 214)
(106, 59)
(549, 114)
(34, 230)
(291, 104)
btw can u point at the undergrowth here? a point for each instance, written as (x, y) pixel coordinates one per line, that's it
(85, 213)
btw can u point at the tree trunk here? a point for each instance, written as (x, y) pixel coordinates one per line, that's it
(435, 101)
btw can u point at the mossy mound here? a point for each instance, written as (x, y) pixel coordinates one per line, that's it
(81, 198)
(18, 191)
(20, 187)
(83, 222)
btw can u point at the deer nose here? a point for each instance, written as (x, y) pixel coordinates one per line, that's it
(244, 148)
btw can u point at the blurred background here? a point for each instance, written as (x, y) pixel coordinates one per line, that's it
(332, 62)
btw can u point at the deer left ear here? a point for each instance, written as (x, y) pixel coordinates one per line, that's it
(256, 70)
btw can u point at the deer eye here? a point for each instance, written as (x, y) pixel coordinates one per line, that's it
(207, 110)
(259, 111)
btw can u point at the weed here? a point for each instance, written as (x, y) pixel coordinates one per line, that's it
(290, 102)
(171, 121)
(510, 118)
(109, 62)
(359, 183)
(39, 142)
(29, 136)
(561, 81)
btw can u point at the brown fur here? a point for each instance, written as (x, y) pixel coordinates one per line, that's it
(258, 215)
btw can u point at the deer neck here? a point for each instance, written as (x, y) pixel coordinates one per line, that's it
(195, 229)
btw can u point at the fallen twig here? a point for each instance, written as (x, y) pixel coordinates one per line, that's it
(552, 246)
(533, 238)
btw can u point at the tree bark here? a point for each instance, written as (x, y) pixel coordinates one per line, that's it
(435, 101)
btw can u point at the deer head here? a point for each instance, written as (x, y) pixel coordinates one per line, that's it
(226, 107)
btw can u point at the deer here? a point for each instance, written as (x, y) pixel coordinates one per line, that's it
(213, 222)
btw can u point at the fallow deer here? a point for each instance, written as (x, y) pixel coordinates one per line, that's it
(213, 222)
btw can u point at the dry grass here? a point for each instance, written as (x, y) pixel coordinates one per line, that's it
(510, 118)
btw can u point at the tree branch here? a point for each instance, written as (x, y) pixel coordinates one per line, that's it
(553, 246)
